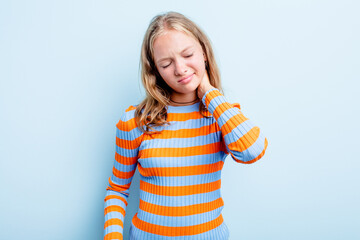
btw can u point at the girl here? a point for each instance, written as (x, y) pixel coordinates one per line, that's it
(178, 137)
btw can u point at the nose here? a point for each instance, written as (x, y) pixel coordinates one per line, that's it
(180, 67)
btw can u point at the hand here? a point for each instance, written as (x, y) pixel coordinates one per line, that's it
(204, 86)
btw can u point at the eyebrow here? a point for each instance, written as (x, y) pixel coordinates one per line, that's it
(162, 59)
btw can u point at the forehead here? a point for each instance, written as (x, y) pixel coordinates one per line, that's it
(172, 42)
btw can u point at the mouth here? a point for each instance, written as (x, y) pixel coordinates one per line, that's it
(186, 78)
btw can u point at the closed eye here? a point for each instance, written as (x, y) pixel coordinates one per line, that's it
(166, 66)
(185, 56)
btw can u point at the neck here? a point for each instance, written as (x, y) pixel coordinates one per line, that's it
(183, 100)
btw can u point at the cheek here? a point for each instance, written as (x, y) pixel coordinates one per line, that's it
(199, 67)
(163, 73)
(199, 64)
(166, 76)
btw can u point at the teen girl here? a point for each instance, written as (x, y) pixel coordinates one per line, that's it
(178, 137)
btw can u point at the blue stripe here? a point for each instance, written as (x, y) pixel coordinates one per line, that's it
(182, 161)
(114, 214)
(126, 152)
(111, 192)
(121, 181)
(252, 152)
(183, 109)
(226, 115)
(128, 135)
(216, 101)
(177, 201)
(124, 168)
(238, 132)
(183, 180)
(219, 233)
(188, 124)
(113, 228)
(127, 115)
(115, 202)
(206, 93)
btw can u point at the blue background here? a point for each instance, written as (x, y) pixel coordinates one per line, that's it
(68, 70)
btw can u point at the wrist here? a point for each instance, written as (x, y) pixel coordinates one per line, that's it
(203, 99)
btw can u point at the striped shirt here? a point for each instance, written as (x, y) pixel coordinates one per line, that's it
(180, 170)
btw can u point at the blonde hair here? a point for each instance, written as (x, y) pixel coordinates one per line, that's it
(152, 111)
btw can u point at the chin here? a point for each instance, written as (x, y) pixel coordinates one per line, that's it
(191, 87)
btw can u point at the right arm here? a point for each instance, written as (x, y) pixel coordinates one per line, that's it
(128, 139)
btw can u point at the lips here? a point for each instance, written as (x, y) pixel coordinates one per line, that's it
(185, 78)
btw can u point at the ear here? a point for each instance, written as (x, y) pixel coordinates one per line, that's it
(205, 59)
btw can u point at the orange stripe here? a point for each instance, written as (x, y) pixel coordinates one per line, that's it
(183, 117)
(113, 221)
(246, 140)
(255, 159)
(180, 211)
(180, 171)
(130, 108)
(180, 190)
(181, 152)
(113, 235)
(116, 187)
(186, 133)
(125, 160)
(232, 123)
(108, 197)
(126, 126)
(128, 144)
(114, 208)
(236, 105)
(123, 175)
(212, 94)
(177, 231)
(221, 108)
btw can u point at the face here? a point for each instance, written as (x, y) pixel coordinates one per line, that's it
(178, 57)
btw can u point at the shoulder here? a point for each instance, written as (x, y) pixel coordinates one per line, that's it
(236, 105)
(127, 128)
(129, 112)
(127, 119)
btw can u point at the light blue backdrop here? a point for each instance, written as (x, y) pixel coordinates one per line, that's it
(68, 70)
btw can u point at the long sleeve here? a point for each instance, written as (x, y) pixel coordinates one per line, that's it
(243, 140)
(128, 139)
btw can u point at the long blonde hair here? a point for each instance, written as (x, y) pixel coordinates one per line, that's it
(152, 111)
